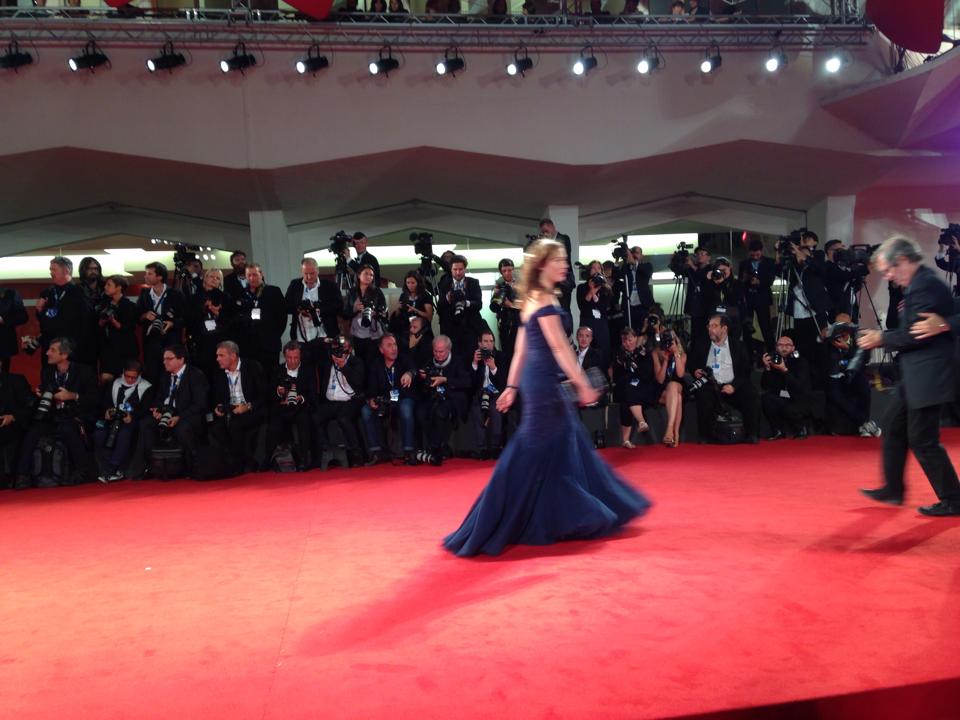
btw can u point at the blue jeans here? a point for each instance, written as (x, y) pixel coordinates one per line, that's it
(373, 427)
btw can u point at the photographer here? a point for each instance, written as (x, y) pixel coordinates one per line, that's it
(367, 311)
(669, 369)
(634, 380)
(414, 302)
(342, 399)
(236, 282)
(61, 308)
(390, 396)
(696, 269)
(178, 411)
(724, 294)
(848, 391)
(841, 275)
(240, 397)
(188, 275)
(444, 384)
(593, 299)
(728, 363)
(808, 301)
(633, 275)
(948, 254)
(489, 368)
(417, 344)
(123, 404)
(587, 355)
(503, 304)
(459, 306)
(12, 315)
(291, 412)
(757, 273)
(209, 318)
(90, 281)
(260, 319)
(161, 310)
(549, 230)
(364, 258)
(117, 324)
(785, 390)
(314, 306)
(66, 410)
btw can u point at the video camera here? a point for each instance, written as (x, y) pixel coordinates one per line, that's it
(950, 237)
(621, 253)
(340, 243)
(422, 244)
(679, 258)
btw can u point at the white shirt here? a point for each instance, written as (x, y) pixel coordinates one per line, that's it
(720, 361)
(800, 303)
(157, 298)
(235, 386)
(339, 390)
(308, 329)
(171, 397)
(581, 354)
(295, 373)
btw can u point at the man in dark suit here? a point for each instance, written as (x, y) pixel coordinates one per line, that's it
(236, 282)
(390, 392)
(926, 380)
(757, 273)
(459, 307)
(341, 397)
(444, 386)
(162, 311)
(61, 308)
(731, 368)
(587, 356)
(67, 410)
(181, 398)
(314, 305)
(294, 399)
(696, 269)
(12, 314)
(489, 368)
(632, 284)
(129, 397)
(260, 319)
(785, 386)
(240, 399)
(15, 402)
(364, 258)
(549, 230)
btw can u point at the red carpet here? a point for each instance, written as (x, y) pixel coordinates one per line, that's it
(760, 578)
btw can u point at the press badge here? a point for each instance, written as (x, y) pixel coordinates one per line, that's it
(210, 325)
(394, 395)
(255, 314)
(596, 313)
(51, 312)
(634, 382)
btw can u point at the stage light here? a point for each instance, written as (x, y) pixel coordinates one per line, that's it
(452, 62)
(776, 60)
(168, 59)
(711, 60)
(835, 61)
(521, 62)
(313, 62)
(649, 60)
(14, 58)
(384, 63)
(585, 63)
(88, 59)
(240, 60)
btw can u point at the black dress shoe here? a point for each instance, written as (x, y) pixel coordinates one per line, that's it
(410, 458)
(883, 494)
(775, 435)
(22, 482)
(940, 509)
(373, 459)
(752, 440)
(802, 433)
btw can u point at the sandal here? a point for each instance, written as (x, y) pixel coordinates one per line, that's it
(642, 427)
(629, 445)
(669, 442)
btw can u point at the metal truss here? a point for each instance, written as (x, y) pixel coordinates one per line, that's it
(275, 29)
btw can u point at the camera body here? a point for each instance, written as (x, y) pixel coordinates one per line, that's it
(107, 311)
(485, 354)
(422, 243)
(950, 237)
(679, 258)
(30, 344)
(116, 422)
(156, 327)
(44, 406)
(694, 384)
(458, 298)
(598, 280)
(340, 242)
(338, 346)
(620, 253)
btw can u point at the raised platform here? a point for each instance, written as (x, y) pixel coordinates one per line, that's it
(761, 585)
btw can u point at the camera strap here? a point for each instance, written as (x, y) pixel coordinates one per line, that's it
(158, 301)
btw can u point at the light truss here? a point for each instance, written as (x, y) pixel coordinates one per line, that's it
(274, 29)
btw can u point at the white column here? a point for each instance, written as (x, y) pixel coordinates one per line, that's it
(270, 247)
(567, 220)
(833, 218)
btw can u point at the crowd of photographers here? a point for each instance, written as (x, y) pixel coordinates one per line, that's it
(190, 373)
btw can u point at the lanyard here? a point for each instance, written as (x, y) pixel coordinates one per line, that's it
(159, 301)
(392, 375)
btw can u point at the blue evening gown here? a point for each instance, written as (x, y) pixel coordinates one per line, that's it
(549, 484)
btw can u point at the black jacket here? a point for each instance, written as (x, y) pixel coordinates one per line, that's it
(499, 380)
(795, 381)
(367, 259)
(16, 398)
(191, 398)
(306, 384)
(696, 305)
(64, 315)
(811, 275)
(471, 314)
(327, 307)
(926, 366)
(263, 335)
(256, 389)
(590, 359)
(378, 379)
(355, 374)
(233, 287)
(420, 355)
(172, 307)
(13, 314)
(120, 343)
(198, 315)
(638, 276)
(728, 296)
(79, 379)
(758, 295)
(742, 365)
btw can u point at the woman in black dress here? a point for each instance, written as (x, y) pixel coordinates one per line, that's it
(635, 383)
(414, 301)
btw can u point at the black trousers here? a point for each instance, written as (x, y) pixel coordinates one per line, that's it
(917, 429)
(764, 322)
(852, 399)
(69, 430)
(782, 412)
(153, 347)
(345, 414)
(187, 434)
(436, 418)
(745, 400)
(238, 435)
(284, 422)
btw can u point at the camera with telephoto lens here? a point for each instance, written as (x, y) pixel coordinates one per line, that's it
(422, 243)
(113, 430)
(338, 346)
(339, 243)
(693, 384)
(438, 393)
(458, 299)
(848, 367)
(502, 290)
(307, 309)
(367, 314)
(678, 260)
(163, 422)
(950, 237)
(666, 339)
(290, 398)
(30, 344)
(485, 354)
(44, 406)
(107, 311)
(620, 253)
(156, 327)
(488, 400)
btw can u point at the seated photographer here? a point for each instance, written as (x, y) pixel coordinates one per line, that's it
(67, 409)
(293, 406)
(490, 369)
(848, 390)
(390, 395)
(587, 355)
(178, 411)
(414, 302)
(728, 366)
(785, 391)
(669, 369)
(444, 384)
(459, 305)
(209, 317)
(260, 319)
(367, 312)
(240, 399)
(503, 304)
(123, 404)
(593, 299)
(634, 381)
(416, 344)
(162, 312)
(342, 398)
(16, 402)
(117, 322)
(314, 306)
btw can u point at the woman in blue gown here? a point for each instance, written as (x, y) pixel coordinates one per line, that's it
(549, 483)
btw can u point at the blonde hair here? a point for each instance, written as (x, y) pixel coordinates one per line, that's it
(535, 259)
